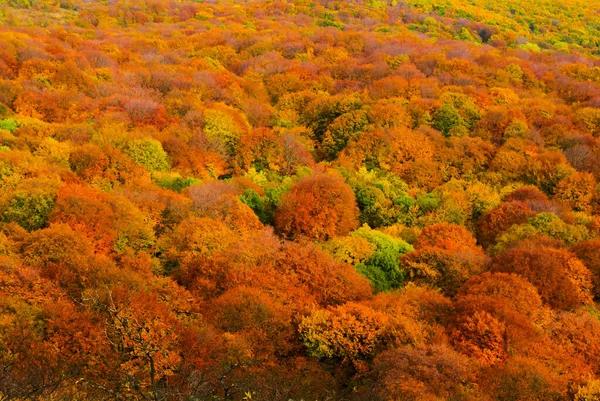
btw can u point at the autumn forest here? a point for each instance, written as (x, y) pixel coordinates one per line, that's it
(300, 200)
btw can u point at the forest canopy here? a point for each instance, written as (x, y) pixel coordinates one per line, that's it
(299, 200)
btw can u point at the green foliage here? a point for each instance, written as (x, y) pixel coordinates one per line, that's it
(532, 47)
(365, 196)
(20, 3)
(264, 207)
(465, 106)
(544, 223)
(382, 268)
(465, 34)
(382, 197)
(9, 124)
(552, 226)
(329, 20)
(173, 181)
(30, 207)
(405, 201)
(429, 202)
(344, 128)
(447, 118)
(148, 153)
(323, 110)
(4, 111)
(377, 277)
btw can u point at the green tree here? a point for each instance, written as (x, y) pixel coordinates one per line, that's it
(383, 267)
(148, 153)
(447, 118)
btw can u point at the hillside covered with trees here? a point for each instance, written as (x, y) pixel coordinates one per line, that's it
(300, 200)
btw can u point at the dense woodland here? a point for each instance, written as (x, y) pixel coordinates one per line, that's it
(300, 200)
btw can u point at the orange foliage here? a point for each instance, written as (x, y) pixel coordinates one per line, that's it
(562, 280)
(424, 373)
(589, 253)
(330, 281)
(482, 337)
(317, 207)
(67, 257)
(446, 255)
(180, 182)
(500, 219)
(348, 332)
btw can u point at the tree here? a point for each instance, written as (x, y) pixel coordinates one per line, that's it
(446, 256)
(382, 268)
(589, 253)
(145, 112)
(351, 250)
(445, 235)
(31, 366)
(88, 161)
(148, 153)
(500, 219)
(330, 282)
(195, 240)
(447, 120)
(539, 226)
(144, 334)
(578, 333)
(547, 169)
(389, 114)
(427, 372)
(348, 332)
(112, 222)
(261, 149)
(481, 336)
(417, 315)
(508, 308)
(502, 295)
(589, 392)
(224, 127)
(67, 257)
(263, 319)
(31, 204)
(577, 191)
(318, 207)
(323, 110)
(523, 379)
(562, 280)
(343, 129)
